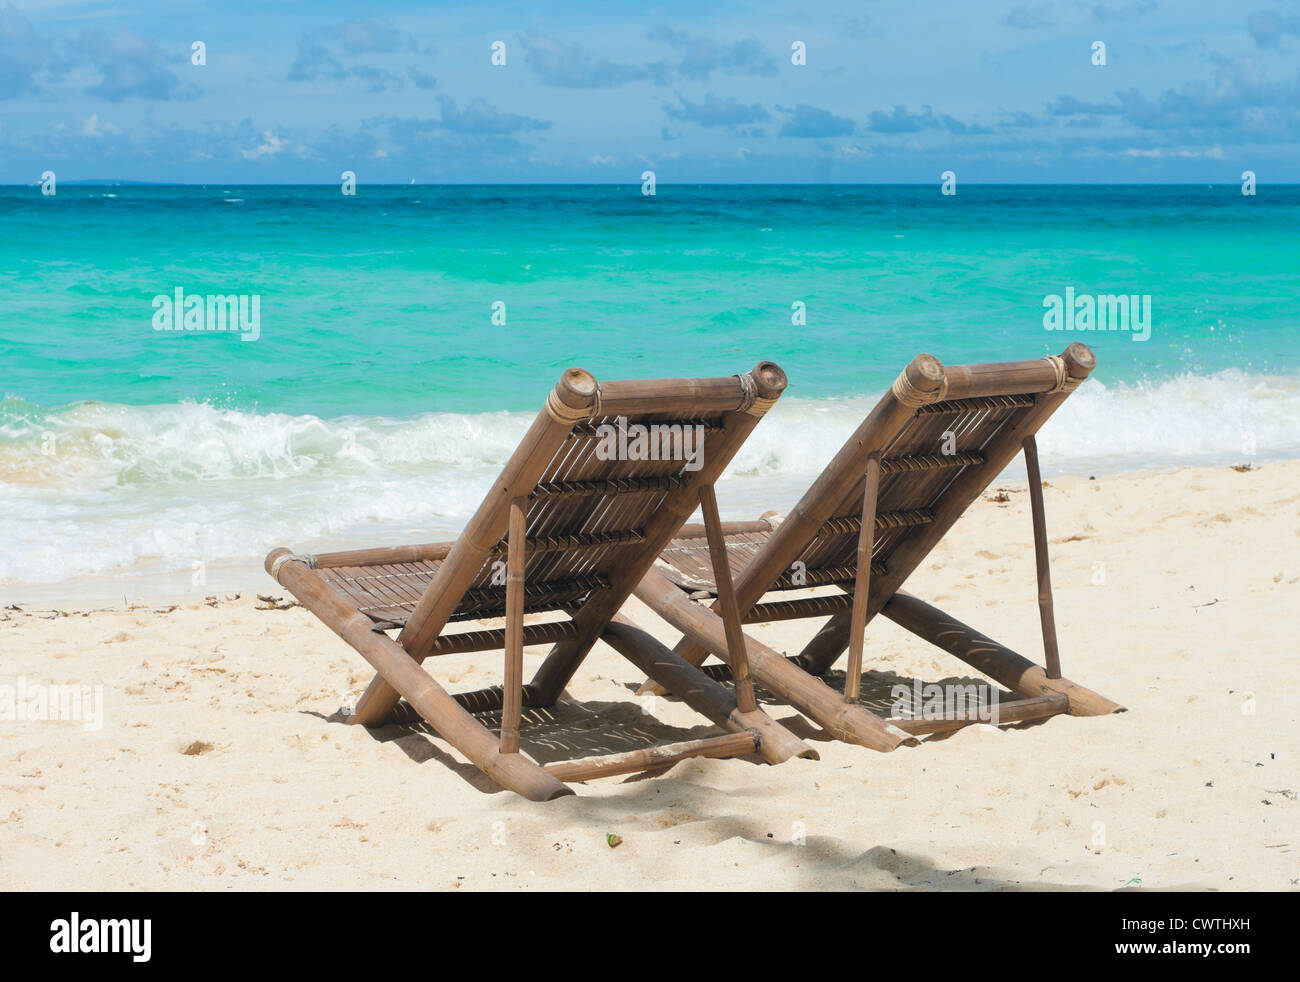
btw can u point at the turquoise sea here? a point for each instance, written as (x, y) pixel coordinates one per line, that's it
(405, 335)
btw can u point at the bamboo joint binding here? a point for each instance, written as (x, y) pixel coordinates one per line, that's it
(565, 414)
(750, 401)
(909, 395)
(1063, 381)
(310, 562)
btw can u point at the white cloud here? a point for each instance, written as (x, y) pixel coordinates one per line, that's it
(92, 127)
(851, 151)
(270, 146)
(1158, 153)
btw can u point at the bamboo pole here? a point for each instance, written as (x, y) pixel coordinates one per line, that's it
(574, 394)
(1051, 654)
(385, 555)
(862, 585)
(703, 694)
(998, 662)
(437, 551)
(674, 396)
(512, 686)
(727, 600)
(438, 708)
(806, 693)
(727, 745)
(1001, 378)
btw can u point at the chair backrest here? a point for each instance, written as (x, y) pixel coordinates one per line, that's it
(942, 436)
(606, 475)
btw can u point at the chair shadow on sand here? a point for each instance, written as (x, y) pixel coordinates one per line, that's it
(571, 729)
(879, 695)
(565, 731)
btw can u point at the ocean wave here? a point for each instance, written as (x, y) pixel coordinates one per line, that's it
(103, 489)
(1225, 417)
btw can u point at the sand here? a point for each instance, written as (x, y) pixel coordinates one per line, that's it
(221, 762)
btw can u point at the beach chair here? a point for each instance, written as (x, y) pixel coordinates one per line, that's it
(930, 447)
(601, 482)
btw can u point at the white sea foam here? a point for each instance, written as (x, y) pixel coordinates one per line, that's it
(107, 490)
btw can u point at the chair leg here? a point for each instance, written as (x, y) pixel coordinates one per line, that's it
(512, 687)
(1045, 614)
(862, 582)
(727, 600)
(654, 758)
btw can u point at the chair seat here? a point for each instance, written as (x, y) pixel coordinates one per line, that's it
(382, 592)
(688, 564)
(387, 593)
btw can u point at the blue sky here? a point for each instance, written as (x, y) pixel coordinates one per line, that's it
(892, 91)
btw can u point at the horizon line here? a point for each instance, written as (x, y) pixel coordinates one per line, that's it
(116, 182)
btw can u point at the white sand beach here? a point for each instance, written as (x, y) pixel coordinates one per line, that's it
(221, 762)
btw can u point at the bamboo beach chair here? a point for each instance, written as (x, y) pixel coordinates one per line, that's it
(565, 528)
(930, 447)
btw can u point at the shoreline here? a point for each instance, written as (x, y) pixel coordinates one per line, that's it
(121, 591)
(222, 763)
